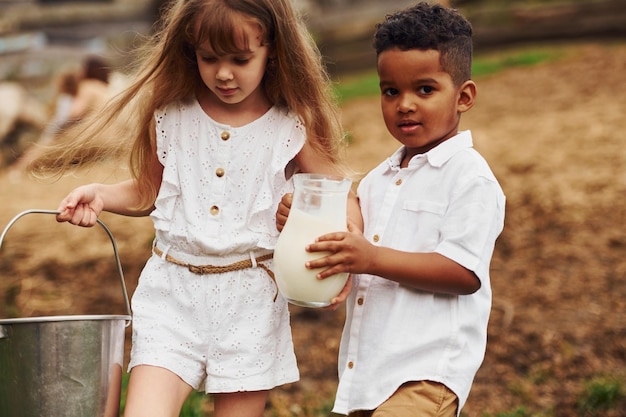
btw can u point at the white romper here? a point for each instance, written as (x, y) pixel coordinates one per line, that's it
(216, 206)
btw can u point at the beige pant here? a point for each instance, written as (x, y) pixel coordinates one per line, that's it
(416, 399)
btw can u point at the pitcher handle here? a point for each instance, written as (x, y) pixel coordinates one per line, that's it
(108, 232)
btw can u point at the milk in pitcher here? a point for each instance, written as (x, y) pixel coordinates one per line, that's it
(319, 207)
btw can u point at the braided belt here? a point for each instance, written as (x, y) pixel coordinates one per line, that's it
(214, 269)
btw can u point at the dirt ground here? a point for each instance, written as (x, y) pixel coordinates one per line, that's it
(554, 136)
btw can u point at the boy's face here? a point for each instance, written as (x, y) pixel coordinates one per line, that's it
(421, 104)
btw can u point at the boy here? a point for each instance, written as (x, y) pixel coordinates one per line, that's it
(416, 322)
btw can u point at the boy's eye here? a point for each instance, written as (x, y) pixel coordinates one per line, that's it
(390, 92)
(426, 89)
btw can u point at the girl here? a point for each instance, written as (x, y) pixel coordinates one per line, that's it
(231, 100)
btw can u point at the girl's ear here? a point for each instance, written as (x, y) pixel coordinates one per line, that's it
(271, 52)
(271, 55)
(467, 95)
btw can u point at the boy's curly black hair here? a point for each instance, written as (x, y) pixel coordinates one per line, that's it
(426, 26)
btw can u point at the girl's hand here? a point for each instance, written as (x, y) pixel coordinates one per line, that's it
(283, 211)
(81, 207)
(350, 252)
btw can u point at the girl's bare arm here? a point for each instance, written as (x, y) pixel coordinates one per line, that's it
(84, 204)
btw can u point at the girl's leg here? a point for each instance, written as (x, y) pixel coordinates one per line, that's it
(240, 404)
(155, 392)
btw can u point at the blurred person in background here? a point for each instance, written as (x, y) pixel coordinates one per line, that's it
(93, 88)
(79, 93)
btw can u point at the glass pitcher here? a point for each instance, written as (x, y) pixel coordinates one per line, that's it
(319, 207)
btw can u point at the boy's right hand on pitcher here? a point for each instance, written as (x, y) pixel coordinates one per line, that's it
(349, 252)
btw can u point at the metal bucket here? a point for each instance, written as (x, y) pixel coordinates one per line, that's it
(62, 366)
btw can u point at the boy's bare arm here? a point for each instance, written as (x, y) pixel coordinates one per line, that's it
(424, 271)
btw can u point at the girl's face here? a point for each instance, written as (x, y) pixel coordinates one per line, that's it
(235, 79)
(421, 105)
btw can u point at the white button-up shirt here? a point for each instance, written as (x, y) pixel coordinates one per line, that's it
(221, 184)
(446, 201)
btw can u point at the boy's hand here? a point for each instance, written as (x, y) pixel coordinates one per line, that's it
(351, 253)
(341, 297)
(81, 207)
(283, 211)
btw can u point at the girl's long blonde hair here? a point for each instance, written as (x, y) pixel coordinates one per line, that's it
(295, 79)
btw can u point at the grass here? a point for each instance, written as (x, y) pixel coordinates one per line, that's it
(362, 85)
(366, 84)
(600, 394)
(487, 66)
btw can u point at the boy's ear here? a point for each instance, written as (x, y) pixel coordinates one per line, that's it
(467, 95)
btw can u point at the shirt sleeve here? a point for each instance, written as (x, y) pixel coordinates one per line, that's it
(472, 223)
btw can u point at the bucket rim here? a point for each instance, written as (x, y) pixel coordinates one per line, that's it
(52, 319)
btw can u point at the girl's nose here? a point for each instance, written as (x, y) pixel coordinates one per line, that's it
(224, 73)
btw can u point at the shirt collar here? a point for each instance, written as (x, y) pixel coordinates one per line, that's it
(438, 155)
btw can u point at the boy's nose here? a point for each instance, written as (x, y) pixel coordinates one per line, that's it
(406, 105)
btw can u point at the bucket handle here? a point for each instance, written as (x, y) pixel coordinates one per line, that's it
(108, 232)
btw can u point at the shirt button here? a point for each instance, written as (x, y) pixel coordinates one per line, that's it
(350, 364)
(215, 210)
(360, 301)
(376, 238)
(225, 135)
(219, 172)
(399, 181)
